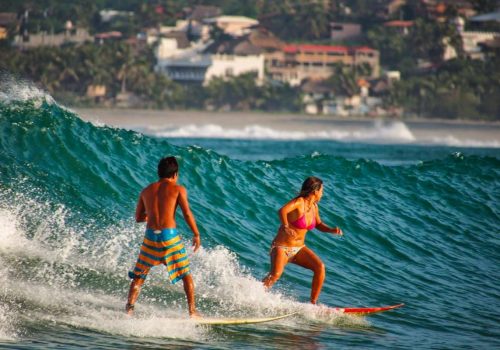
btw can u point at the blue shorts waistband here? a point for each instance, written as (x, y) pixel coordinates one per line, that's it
(163, 230)
(162, 234)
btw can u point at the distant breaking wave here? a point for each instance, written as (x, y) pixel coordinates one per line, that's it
(395, 132)
(388, 133)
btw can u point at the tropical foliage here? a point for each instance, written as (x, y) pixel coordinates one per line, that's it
(457, 88)
(243, 93)
(461, 88)
(67, 72)
(292, 20)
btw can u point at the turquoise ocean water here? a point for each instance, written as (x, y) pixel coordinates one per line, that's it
(421, 227)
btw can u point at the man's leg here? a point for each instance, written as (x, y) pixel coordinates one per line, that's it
(189, 290)
(133, 294)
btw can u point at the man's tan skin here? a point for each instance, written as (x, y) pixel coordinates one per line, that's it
(156, 206)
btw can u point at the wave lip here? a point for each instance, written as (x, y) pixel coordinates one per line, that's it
(12, 89)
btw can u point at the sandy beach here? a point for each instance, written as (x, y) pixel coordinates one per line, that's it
(471, 132)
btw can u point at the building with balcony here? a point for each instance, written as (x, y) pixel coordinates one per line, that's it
(294, 63)
(76, 36)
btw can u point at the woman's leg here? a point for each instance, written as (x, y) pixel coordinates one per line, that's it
(306, 258)
(278, 261)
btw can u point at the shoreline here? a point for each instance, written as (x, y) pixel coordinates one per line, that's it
(86, 112)
(194, 124)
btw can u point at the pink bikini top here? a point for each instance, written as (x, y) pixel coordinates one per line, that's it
(301, 223)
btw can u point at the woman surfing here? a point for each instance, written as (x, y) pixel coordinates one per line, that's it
(298, 216)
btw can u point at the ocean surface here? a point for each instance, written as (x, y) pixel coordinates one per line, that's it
(421, 227)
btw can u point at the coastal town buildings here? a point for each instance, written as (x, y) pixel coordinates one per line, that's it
(182, 62)
(204, 44)
(200, 29)
(76, 36)
(294, 63)
(473, 40)
(235, 57)
(200, 62)
(196, 28)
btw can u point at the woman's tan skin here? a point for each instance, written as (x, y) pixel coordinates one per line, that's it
(156, 206)
(294, 237)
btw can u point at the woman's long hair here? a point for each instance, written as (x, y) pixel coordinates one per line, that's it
(310, 185)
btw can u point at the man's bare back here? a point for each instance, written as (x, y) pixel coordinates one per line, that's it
(156, 206)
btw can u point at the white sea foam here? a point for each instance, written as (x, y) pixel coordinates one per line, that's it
(395, 132)
(453, 141)
(47, 264)
(15, 89)
(7, 317)
(379, 132)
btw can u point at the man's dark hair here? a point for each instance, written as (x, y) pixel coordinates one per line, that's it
(167, 167)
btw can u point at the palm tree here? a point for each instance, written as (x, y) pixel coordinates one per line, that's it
(343, 81)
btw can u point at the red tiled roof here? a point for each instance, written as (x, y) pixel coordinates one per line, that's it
(314, 48)
(363, 49)
(398, 24)
(109, 35)
(324, 48)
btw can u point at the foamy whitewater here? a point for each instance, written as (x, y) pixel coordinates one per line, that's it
(395, 132)
(420, 222)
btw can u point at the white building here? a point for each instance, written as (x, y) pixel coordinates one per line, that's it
(77, 36)
(192, 28)
(470, 39)
(233, 25)
(182, 64)
(471, 42)
(167, 47)
(225, 66)
(192, 69)
(200, 62)
(108, 15)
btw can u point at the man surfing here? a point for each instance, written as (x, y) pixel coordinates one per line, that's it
(162, 245)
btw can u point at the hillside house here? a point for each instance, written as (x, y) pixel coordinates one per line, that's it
(294, 63)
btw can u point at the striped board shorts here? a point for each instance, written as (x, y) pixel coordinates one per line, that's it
(162, 247)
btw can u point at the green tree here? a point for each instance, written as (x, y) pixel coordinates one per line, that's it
(484, 6)
(291, 20)
(343, 81)
(393, 47)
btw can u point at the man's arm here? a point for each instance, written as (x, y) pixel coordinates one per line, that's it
(140, 211)
(189, 217)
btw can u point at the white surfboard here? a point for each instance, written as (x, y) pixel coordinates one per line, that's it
(236, 321)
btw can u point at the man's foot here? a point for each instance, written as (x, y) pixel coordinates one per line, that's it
(129, 309)
(195, 315)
